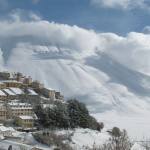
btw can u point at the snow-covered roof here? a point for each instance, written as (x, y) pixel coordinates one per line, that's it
(8, 81)
(9, 92)
(2, 93)
(17, 91)
(32, 92)
(21, 108)
(18, 104)
(49, 105)
(23, 117)
(50, 89)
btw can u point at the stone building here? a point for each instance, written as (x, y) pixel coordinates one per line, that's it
(26, 122)
(37, 85)
(3, 96)
(12, 83)
(19, 77)
(4, 75)
(16, 109)
(3, 112)
(48, 93)
(2, 85)
(27, 81)
(59, 96)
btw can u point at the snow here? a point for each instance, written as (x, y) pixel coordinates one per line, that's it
(113, 93)
(27, 141)
(26, 117)
(2, 93)
(3, 128)
(81, 138)
(136, 125)
(9, 92)
(17, 91)
(32, 92)
(48, 105)
(8, 81)
(18, 105)
(137, 147)
(87, 137)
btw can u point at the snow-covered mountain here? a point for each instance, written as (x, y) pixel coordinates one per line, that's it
(109, 88)
(108, 72)
(99, 81)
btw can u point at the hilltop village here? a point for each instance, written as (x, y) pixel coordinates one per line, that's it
(18, 95)
(31, 115)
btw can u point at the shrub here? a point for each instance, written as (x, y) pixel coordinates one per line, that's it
(52, 139)
(118, 141)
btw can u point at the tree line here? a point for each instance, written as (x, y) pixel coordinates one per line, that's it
(72, 114)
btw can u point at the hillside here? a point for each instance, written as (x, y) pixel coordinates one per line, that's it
(107, 87)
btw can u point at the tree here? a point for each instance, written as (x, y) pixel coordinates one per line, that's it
(119, 141)
(100, 126)
(115, 132)
(58, 116)
(71, 115)
(79, 116)
(42, 115)
(53, 117)
(78, 113)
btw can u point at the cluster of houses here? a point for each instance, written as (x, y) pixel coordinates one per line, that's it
(18, 94)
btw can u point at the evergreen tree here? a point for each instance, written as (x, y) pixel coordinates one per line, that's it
(78, 113)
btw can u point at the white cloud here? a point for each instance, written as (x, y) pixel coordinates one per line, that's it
(56, 54)
(35, 1)
(75, 42)
(121, 4)
(132, 51)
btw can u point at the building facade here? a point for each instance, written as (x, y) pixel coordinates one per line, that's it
(16, 109)
(48, 93)
(26, 122)
(3, 112)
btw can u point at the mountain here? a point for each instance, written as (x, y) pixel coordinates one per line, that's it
(107, 87)
(99, 81)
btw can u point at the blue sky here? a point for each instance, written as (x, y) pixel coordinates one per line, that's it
(84, 14)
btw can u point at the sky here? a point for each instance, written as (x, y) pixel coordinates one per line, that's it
(117, 16)
(36, 34)
(78, 28)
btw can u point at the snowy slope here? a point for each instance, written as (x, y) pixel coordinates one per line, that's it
(98, 80)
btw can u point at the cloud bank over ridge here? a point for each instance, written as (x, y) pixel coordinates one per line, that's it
(47, 49)
(132, 50)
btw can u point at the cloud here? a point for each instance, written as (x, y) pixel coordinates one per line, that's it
(121, 4)
(35, 1)
(75, 42)
(56, 54)
(132, 51)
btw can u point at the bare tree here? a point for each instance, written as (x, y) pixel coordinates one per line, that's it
(118, 141)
